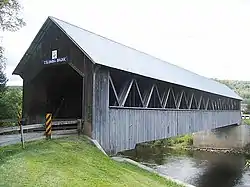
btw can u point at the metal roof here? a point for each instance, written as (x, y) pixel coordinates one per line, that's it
(109, 53)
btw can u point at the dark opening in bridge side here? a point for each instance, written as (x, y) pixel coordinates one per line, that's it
(130, 90)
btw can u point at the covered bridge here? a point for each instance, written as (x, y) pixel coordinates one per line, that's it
(123, 95)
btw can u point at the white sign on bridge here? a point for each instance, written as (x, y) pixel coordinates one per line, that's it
(51, 61)
(54, 54)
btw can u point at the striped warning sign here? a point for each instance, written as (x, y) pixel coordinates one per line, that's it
(48, 125)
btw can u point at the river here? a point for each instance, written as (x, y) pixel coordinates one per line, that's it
(201, 169)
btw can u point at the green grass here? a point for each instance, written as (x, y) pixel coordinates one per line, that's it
(69, 162)
(181, 141)
(177, 142)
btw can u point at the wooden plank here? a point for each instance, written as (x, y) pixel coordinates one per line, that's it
(101, 128)
(131, 126)
(17, 128)
(139, 92)
(199, 104)
(158, 95)
(165, 99)
(114, 90)
(66, 122)
(147, 96)
(83, 101)
(9, 129)
(76, 69)
(190, 102)
(179, 101)
(125, 93)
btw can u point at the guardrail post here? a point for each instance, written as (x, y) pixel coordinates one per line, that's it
(79, 126)
(20, 123)
(48, 125)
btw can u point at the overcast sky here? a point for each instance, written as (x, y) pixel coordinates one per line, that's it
(211, 38)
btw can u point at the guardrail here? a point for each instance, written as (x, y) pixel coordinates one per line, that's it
(38, 126)
(36, 131)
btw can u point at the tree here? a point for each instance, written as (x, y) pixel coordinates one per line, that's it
(10, 104)
(10, 20)
(3, 79)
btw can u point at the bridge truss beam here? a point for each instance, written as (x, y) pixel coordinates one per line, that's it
(145, 93)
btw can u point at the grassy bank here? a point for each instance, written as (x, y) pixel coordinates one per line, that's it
(246, 121)
(177, 142)
(69, 162)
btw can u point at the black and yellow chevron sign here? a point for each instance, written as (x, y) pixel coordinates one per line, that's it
(48, 125)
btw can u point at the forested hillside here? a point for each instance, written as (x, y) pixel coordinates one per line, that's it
(240, 87)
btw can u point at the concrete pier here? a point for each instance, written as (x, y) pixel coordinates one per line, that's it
(234, 136)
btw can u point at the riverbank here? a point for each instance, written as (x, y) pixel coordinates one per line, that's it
(69, 161)
(185, 143)
(243, 151)
(179, 142)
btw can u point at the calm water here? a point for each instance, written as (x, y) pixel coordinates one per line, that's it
(201, 169)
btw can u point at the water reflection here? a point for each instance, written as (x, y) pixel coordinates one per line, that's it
(221, 170)
(201, 169)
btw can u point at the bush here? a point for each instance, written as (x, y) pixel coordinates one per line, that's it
(184, 140)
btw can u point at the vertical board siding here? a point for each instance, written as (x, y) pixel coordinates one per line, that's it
(131, 126)
(101, 129)
(119, 129)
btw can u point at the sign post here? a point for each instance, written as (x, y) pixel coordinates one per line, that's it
(20, 123)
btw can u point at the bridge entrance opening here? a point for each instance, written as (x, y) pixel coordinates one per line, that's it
(64, 87)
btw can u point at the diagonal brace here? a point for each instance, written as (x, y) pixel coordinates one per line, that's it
(113, 88)
(124, 92)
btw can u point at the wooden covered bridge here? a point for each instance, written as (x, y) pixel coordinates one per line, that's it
(123, 95)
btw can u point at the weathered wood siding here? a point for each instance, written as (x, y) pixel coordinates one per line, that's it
(131, 126)
(120, 128)
(100, 113)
